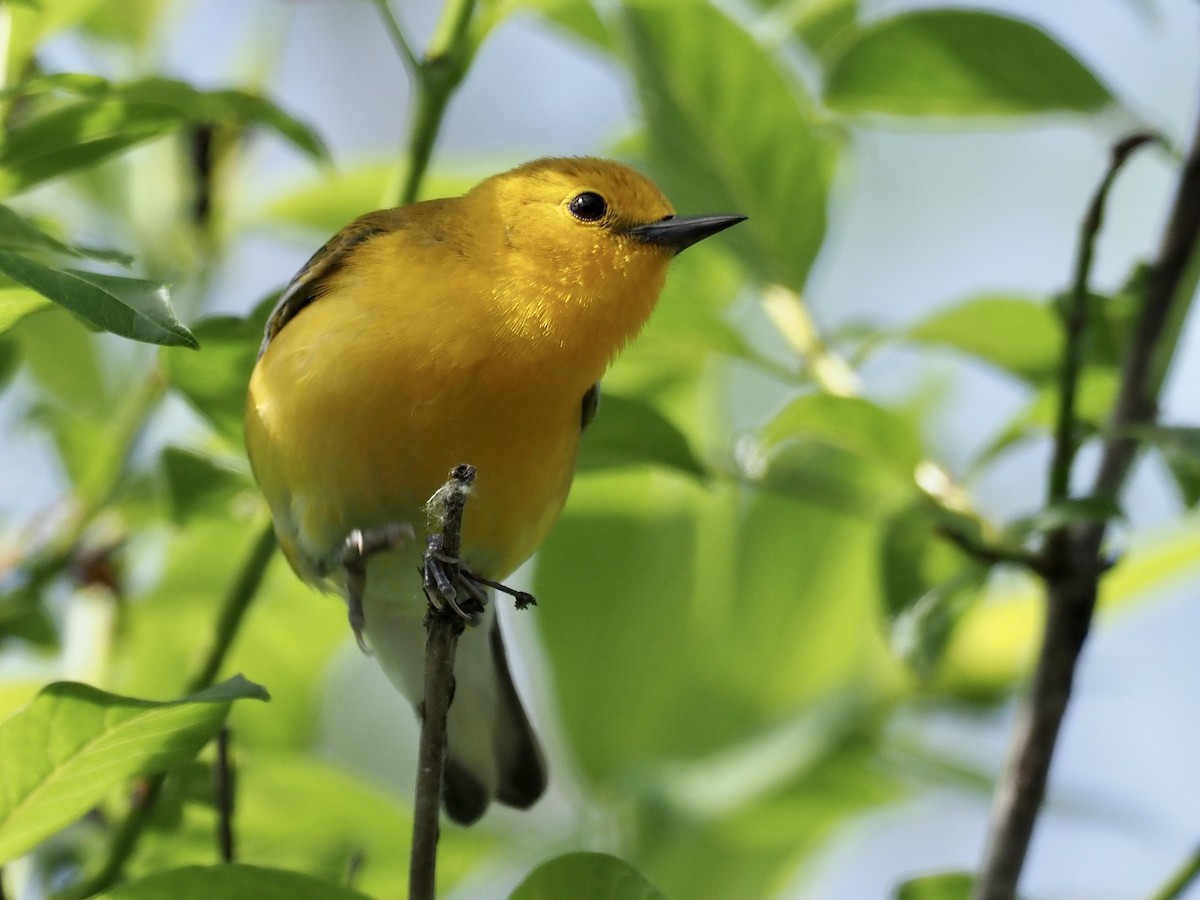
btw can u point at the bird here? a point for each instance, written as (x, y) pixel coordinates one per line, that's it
(468, 330)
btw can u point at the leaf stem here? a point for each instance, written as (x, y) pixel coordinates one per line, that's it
(436, 77)
(399, 38)
(1074, 549)
(1181, 879)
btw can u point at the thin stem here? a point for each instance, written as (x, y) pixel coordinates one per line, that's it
(1181, 880)
(1072, 584)
(223, 797)
(1075, 327)
(443, 627)
(437, 77)
(399, 38)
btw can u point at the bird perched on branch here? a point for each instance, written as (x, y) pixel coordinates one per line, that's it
(467, 330)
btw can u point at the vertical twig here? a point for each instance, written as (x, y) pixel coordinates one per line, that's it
(1073, 551)
(224, 797)
(443, 626)
(436, 77)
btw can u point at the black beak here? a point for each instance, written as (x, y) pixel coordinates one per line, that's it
(680, 232)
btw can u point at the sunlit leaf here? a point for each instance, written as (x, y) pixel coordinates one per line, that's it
(1018, 335)
(585, 876)
(713, 151)
(943, 886)
(946, 62)
(75, 743)
(628, 432)
(131, 307)
(232, 881)
(16, 304)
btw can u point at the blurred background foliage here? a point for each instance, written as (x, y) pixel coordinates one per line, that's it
(753, 629)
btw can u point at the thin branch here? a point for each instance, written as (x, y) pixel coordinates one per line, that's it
(437, 77)
(1075, 326)
(1181, 879)
(223, 797)
(1075, 549)
(399, 38)
(992, 554)
(443, 625)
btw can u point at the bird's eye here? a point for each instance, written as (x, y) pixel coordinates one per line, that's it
(588, 206)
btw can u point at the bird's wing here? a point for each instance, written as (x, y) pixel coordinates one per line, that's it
(310, 282)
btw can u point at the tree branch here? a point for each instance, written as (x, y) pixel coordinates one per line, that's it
(443, 625)
(1074, 550)
(1181, 879)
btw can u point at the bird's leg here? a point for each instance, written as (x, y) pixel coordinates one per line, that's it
(521, 599)
(442, 575)
(360, 545)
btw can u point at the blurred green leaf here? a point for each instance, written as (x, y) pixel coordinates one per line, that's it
(22, 616)
(854, 424)
(668, 664)
(16, 304)
(712, 151)
(1018, 335)
(585, 876)
(578, 20)
(198, 484)
(914, 556)
(943, 886)
(328, 203)
(1069, 512)
(953, 63)
(75, 743)
(1094, 398)
(923, 630)
(231, 881)
(215, 380)
(298, 812)
(18, 233)
(1180, 448)
(131, 307)
(628, 432)
(113, 117)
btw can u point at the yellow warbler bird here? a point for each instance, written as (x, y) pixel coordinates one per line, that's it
(467, 330)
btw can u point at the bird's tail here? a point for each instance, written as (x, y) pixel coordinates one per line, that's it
(492, 751)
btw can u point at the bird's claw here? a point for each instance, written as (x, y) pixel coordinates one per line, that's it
(359, 546)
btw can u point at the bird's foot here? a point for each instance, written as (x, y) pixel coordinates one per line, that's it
(448, 582)
(360, 545)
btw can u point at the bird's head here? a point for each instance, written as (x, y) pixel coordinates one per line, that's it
(590, 238)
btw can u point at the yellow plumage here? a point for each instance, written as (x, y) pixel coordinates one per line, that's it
(454, 331)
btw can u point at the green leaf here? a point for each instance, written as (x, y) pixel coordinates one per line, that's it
(215, 380)
(75, 743)
(629, 432)
(586, 876)
(16, 304)
(922, 632)
(1180, 448)
(1069, 512)
(110, 118)
(854, 424)
(1018, 335)
(197, 484)
(22, 616)
(952, 63)
(18, 233)
(131, 307)
(713, 150)
(943, 886)
(231, 881)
